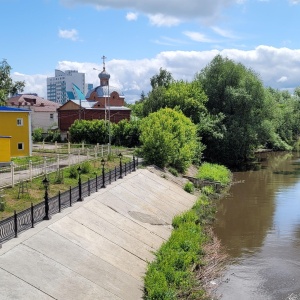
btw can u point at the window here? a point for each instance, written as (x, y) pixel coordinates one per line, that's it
(51, 116)
(20, 122)
(20, 146)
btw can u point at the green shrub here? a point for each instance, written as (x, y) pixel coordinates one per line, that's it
(173, 171)
(86, 167)
(189, 187)
(73, 172)
(37, 135)
(208, 190)
(214, 172)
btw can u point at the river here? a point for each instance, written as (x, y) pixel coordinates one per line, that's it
(258, 223)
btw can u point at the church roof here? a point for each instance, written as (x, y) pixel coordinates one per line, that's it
(102, 91)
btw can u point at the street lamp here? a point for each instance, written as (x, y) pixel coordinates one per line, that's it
(79, 183)
(120, 156)
(103, 175)
(46, 186)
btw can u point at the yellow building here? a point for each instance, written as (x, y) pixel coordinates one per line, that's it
(16, 124)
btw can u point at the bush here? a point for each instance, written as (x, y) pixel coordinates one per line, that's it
(214, 172)
(189, 187)
(169, 138)
(173, 171)
(73, 172)
(37, 135)
(86, 168)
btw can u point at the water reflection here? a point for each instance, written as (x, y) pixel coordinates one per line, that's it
(259, 224)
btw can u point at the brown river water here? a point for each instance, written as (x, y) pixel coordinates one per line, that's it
(258, 223)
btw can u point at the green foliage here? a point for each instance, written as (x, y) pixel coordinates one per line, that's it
(214, 172)
(168, 139)
(208, 190)
(126, 133)
(7, 86)
(171, 274)
(86, 167)
(92, 132)
(238, 94)
(37, 135)
(189, 187)
(173, 171)
(53, 136)
(73, 172)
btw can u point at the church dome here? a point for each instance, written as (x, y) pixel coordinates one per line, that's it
(104, 75)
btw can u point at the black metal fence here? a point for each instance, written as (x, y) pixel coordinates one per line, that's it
(12, 226)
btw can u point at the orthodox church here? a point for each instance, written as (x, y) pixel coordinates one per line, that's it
(103, 102)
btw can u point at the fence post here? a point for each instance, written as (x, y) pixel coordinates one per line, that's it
(59, 202)
(30, 170)
(69, 147)
(16, 224)
(78, 155)
(89, 187)
(133, 160)
(55, 143)
(70, 194)
(69, 159)
(32, 216)
(95, 149)
(82, 145)
(87, 153)
(12, 174)
(125, 168)
(102, 150)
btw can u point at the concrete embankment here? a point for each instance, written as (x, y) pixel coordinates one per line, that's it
(97, 249)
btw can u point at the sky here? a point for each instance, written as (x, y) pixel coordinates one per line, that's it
(138, 37)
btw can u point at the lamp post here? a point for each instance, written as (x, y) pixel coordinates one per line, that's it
(79, 184)
(120, 156)
(46, 185)
(103, 175)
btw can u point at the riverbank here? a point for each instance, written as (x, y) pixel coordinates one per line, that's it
(187, 264)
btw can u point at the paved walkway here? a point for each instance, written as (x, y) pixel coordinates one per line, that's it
(97, 249)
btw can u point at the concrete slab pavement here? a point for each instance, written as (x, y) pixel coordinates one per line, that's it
(96, 249)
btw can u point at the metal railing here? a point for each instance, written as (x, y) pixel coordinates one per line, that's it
(26, 219)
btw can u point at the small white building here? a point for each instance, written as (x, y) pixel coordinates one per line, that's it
(44, 112)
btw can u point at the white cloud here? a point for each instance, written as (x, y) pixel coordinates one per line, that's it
(163, 20)
(224, 33)
(198, 37)
(68, 34)
(282, 79)
(131, 16)
(133, 76)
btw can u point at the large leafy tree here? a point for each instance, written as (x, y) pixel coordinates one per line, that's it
(238, 94)
(169, 138)
(7, 86)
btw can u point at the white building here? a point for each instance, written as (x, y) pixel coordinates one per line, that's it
(60, 87)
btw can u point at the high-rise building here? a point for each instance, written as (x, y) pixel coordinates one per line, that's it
(60, 86)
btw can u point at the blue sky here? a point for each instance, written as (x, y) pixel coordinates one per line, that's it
(138, 37)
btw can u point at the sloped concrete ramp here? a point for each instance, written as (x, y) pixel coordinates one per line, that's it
(97, 249)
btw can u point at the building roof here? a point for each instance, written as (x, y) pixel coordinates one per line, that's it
(102, 91)
(33, 102)
(85, 103)
(12, 109)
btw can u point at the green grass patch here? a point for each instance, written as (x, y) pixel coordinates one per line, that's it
(171, 275)
(214, 172)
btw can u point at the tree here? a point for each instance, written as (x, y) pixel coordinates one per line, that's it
(163, 79)
(169, 138)
(7, 86)
(238, 94)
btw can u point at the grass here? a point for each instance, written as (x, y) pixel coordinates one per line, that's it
(214, 172)
(191, 256)
(33, 192)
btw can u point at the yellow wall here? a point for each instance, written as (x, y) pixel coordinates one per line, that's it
(4, 149)
(19, 134)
